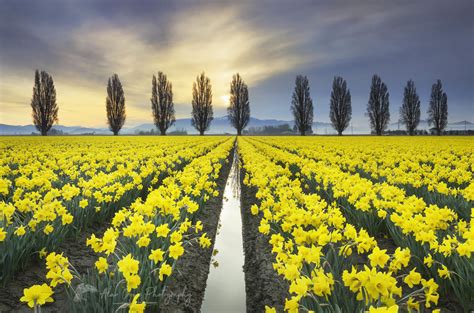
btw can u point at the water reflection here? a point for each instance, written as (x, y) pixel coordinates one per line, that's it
(225, 291)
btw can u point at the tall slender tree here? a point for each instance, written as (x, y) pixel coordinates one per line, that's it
(302, 105)
(43, 103)
(378, 108)
(115, 104)
(340, 106)
(410, 109)
(239, 106)
(162, 102)
(202, 113)
(438, 110)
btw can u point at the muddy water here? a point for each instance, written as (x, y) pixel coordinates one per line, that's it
(225, 291)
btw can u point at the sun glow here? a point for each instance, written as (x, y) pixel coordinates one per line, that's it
(225, 99)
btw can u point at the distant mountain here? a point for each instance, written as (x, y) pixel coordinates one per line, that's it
(220, 125)
(462, 123)
(16, 130)
(29, 129)
(424, 125)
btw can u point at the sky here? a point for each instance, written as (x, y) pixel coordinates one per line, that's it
(82, 43)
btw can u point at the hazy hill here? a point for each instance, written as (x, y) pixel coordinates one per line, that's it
(220, 125)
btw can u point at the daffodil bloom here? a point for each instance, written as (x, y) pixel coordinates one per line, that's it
(378, 257)
(165, 269)
(83, 203)
(37, 295)
(204, 241)
(42, 253)
(176, 237)
(198, 226)
(412, 304)
(143, 241)
(322, 283)
(128, 265)
(300, 286)
(66, 219)
(133, 281)
(444, 272)
(20, 231)
(269, 309)
(384, 309)
(264, 227)
(428, 260)
(102, 265)
(413, 278)
(136, 307)
(48, 229)
(156, 255)
(291, 272)
(176, 251)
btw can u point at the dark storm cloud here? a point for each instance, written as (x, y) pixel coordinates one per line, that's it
(269, 42)
(398, 40)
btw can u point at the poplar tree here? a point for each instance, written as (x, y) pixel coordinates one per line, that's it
(378, 108)
(410, 109)
(438, 109)
(202, 113)
(340, 112)
(162, 102)
(115, 104)
(302, 105)
(43, 103)
(238, 111)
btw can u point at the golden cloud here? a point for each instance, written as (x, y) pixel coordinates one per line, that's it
(217, 42)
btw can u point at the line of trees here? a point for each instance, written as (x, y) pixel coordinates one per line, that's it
(45, 108)
(378, 106)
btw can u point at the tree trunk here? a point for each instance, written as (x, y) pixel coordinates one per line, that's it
(201, 133)
(303, 133)
(163, 132)
(438, 132)
(239, 132)
(115, 133)
(44, 133)
(339, 133)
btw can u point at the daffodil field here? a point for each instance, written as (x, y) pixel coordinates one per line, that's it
(366, 223)
(150, 188)
(354, 224)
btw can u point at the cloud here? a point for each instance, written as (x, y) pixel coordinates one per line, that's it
(218, 42)
(81, 45)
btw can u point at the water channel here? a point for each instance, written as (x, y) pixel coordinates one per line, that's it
(225, 291)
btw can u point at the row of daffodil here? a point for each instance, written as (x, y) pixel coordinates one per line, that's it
(438, 169)
(138, 252)
(57, 186)
(432, 233)
(321, 255)
(412, 214)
